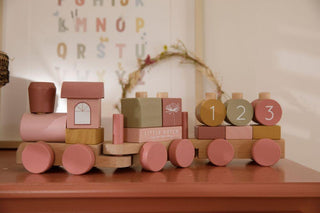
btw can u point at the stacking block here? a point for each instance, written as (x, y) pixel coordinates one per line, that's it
(171, 112)
(37, 157)
(239, 111)
(117, 129)
(210, 132)
(85, 136)
(271, 132)
(185, 125)
(152, 134)
(84, 113)
(43, 127)
(141, 112)
(266, 111)
(42, 97)
(238, 132)
(210, 111)
(84, 103)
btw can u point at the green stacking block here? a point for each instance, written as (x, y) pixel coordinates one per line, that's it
(141, 112)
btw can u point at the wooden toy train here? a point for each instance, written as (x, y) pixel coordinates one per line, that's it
(148, 132)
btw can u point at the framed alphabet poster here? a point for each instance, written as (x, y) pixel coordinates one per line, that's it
(92, 40)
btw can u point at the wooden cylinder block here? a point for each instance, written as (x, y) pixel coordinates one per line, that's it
(220, 152)
(45, 127)
(141, 94)
(37, 157)
(42, 97)
(266, 152)
(162, 95)
(211, 112)
(153, 156)
(117, 128)
(78, 159)
(239, 112)
(181, 152)
(266, 111)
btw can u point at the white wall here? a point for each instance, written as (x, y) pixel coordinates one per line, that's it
(271, 45)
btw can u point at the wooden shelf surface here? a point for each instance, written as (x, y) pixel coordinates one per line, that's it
(242, 185)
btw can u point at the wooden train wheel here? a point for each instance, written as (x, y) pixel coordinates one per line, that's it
(37, 157)
(153, 156)
(181, 152)
(78, 159)
(266, 152)
(220, 152)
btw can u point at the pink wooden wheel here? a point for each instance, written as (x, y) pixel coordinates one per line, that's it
(266, 152)
(37, 157)
(153, 156)
(181, 152)
(220, 152)
(78, 159)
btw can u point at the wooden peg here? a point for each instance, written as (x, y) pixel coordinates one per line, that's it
(237, 95)
(162, 95)
(211, 95)
(141, 94)
(117, 129)
(264, 95)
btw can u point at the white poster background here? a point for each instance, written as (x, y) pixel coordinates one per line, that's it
(32, 38)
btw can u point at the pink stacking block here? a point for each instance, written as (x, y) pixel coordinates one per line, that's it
(266, 111)
(238, 132)
(209, 132)
(37, 157)
(117, 129)
(43, 127)
(171, 111)
(156, 134)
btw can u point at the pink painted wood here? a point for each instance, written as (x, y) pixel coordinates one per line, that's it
(181, 152)
(78, 159)
(210, 132)
(220, 152)
(171, 112)
(265, 152)
(153, 156)
(42, 97)
(37, 157)
(267, 111)
(117, 129)
(238, 132)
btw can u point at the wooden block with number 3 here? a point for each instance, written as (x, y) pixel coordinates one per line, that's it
(210, 111)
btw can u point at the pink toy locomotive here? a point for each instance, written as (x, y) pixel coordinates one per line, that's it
(148, 132)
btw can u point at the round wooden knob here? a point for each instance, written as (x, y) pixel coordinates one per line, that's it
(42, 97)
(237, 95)
(264, 95)
(153, 156)
(181, 152)
(141, 94)
(267, 111)
(220, 152)
(37, 157)
(78, 159)
(162, 95)
(239, 112)
(211, 112)
(211, 95)
(266, 152)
